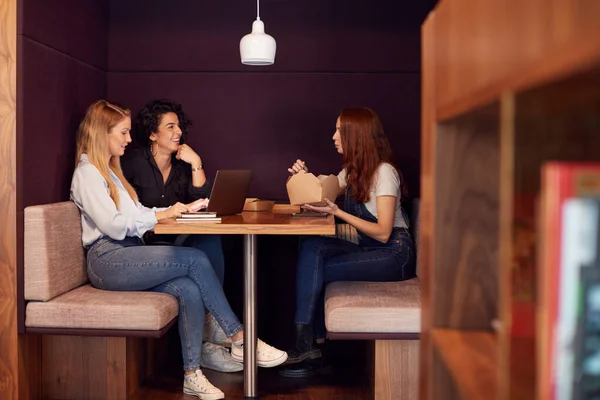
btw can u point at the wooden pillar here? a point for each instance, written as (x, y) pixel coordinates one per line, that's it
(396, 370)
(9, 345)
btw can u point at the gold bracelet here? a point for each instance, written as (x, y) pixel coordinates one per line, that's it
(197, 169)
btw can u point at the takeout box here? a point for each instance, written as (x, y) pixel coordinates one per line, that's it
(305, 188)
(254, 204)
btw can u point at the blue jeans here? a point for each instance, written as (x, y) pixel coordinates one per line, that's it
(209, 244)
(183, 272)
(323, 260)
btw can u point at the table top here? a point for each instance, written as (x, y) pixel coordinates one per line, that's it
(279, 221)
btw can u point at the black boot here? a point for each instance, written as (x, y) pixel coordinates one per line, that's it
(305, 347)
(309, 367)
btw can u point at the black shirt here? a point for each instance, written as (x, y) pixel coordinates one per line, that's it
(143, 174)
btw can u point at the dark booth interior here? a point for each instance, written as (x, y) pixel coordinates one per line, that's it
(330, 55)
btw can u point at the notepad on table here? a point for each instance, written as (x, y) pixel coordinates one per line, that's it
(202, 220)
(198, 215)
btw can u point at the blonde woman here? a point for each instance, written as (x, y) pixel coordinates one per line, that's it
(113, 224)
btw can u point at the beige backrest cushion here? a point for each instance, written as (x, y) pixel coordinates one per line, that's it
(54, 256)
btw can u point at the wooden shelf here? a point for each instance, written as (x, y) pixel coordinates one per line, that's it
(471, 358)
(499, 100)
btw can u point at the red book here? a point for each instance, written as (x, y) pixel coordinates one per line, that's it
(523, 269)
(559, 181)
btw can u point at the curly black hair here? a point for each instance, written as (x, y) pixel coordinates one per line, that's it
(149, 117)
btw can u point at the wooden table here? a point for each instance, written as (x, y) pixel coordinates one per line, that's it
(279, 221)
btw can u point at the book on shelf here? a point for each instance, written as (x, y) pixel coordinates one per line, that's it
(586, 383)
(559, 182)
(579, 251)
(523, 267)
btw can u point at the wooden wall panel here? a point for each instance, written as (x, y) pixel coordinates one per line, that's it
(426, 206)
(91, 368)
(30, 367)
(8, 201)
(466, 222)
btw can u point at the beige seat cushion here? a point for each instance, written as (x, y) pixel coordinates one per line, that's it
(88, 307)
(373, 307)
(54, 261)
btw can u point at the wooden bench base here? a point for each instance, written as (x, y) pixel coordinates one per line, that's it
(395, 374)
(91, 367)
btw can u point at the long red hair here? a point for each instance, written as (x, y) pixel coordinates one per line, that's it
(365, 147)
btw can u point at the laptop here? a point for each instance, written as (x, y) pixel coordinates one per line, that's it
(229, 192)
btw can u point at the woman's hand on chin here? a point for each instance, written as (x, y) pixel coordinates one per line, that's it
(330, 207)
(188, 155)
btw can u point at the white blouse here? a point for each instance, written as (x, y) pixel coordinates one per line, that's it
(99, 215)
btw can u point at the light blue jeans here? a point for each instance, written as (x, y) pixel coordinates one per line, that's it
(209, 244)
(184, 272)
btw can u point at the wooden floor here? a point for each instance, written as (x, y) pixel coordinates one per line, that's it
(341, 385)
(349, 380)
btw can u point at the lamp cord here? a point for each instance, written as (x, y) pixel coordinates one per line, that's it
(257, 9)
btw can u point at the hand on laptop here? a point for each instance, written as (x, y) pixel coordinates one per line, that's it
(198, 205)
(172, 212)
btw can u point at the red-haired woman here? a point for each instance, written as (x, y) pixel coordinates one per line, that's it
(374, 188)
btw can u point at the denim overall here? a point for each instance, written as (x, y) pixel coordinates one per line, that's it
(400, 238)
(324, 259)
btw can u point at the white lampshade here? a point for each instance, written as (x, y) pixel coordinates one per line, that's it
(258, 48)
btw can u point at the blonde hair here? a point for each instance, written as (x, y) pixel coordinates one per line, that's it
(92, 139)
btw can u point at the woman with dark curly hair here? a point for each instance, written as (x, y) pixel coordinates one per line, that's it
(374, 188)
(164, 170)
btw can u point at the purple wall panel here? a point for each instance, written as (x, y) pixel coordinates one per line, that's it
(265, 121)
(330, 55)
(77, 28)
(56, 91)
(312, 35)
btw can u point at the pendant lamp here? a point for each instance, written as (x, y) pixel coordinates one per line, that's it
(258, 48)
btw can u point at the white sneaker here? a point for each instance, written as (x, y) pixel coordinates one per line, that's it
(266, 356)
(213, 332)
(197, 385)
(218, 358)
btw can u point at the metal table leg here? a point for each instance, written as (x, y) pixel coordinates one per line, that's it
(250, 367)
